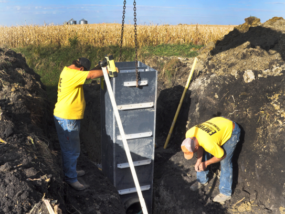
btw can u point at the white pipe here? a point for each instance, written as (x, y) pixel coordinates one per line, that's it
(123, 135)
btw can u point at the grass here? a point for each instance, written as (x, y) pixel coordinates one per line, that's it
(48, 61)
(184, 50)
(170, 68)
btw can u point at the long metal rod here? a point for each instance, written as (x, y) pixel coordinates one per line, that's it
(123, 135)
(180, 103)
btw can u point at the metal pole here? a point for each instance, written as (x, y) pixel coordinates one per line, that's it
(180, 103)
(123, 135)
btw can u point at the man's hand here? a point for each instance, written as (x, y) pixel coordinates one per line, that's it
(199, 161)
(117, 69)
(202, 166)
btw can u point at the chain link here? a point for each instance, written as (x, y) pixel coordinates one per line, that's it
(136, 44)
(136, 41)
(122, 31)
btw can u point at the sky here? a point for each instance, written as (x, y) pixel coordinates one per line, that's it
(220, 12)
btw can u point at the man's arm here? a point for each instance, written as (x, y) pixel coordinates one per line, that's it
(200, 153)
(214, 160)
(93, 74)
(205, 164)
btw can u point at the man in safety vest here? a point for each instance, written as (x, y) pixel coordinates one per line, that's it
(68, 112)
(214, 141)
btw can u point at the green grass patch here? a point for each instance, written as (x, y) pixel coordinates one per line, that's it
(183, 50)
(170, 68)
(49, 61)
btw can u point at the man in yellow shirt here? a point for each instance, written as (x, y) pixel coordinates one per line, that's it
(214, 141)
(68, 112)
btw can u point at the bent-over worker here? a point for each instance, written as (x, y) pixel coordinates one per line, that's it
(68, 112)
(214, 141)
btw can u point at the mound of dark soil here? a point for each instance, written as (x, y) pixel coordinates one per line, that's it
(29, 152)
(241, 78)
(27, 167)
(258, 48)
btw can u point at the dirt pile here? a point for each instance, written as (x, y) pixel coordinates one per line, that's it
(27, 166)
(30, 167)
(241, 78)
(275, 21)
(260, 49)
(249, 22)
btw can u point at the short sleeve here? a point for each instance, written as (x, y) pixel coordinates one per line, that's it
(80, 77)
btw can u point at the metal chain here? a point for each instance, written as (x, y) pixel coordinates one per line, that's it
(136, 41)
(122, 31)
(136, 44)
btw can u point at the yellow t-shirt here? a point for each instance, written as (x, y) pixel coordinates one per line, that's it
(70, 96)
(212, 134)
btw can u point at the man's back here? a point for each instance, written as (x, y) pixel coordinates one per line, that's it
(212, 134)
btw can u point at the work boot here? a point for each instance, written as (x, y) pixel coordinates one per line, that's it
(80, 173)
(221, 198)
(197, 185)
(78, 186)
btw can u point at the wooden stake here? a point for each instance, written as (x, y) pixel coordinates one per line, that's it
(2, 141)
(180, 103)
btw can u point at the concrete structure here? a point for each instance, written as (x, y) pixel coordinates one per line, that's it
(137, 109)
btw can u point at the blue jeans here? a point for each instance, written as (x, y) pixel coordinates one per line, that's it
(68, 137)
(226, 178)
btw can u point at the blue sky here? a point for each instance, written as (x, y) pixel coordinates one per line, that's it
(38, 12)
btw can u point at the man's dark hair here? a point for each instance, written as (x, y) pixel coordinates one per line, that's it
(77, 64)
(82, 62)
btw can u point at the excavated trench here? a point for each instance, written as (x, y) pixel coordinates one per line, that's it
(240, 77)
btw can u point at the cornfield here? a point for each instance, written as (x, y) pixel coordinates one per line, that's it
(110, 34)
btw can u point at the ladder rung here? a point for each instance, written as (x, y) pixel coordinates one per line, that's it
(133, 69)
(132, 190)
(134, 83)
(135, 106)
(135, 136)
(136, 163)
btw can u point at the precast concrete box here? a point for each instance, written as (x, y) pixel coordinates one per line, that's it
(137, 109)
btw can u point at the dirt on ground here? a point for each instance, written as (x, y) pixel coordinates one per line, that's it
(30, 160)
